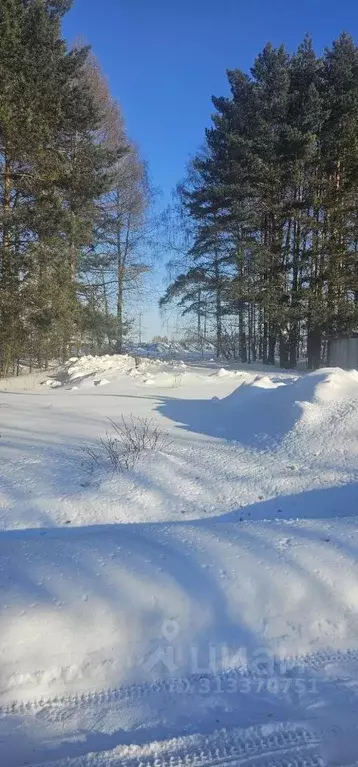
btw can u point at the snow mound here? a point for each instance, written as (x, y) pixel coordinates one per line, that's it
(226, 373)
(222, 373)
(166, 349)
(265, 382)
(52, 383)
(97, 625)
(268, 410)
(87, 371)
(94, 365)
(327, 385)
(227, 561)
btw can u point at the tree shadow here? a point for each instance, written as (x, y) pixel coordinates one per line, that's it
(112, 592)
(324, 503)
(116, 605)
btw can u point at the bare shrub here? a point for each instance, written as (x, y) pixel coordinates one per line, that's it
(177, 381)
(121, 447)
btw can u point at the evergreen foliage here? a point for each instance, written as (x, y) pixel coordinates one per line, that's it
(272, 199)
(61, 142)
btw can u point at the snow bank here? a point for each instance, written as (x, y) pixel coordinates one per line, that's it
(172, 349)
(268, 409)
(165, 370)
(327, 385)
(230, 549)
(87, 371)
(113, 605)
(94, 365)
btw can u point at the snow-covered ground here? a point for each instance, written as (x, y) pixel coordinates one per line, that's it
(200, 607)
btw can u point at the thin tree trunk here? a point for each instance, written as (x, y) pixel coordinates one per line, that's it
(293, 330)
(199, 317)
(249, 329)
(242, 336)
(254, 343)
(271, 345)
(218, 308)
(73, 257)
(106, 309)
(264, 343)
(5, 267)
(7, 326)
(120, 311)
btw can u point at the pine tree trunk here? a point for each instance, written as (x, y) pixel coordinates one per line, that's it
(218, 324)
(314, 344)
(6, 351)
(73, 259)
(293, 330)
(260, 331)
(5, 267)
(199, 318)
(254, 346)
(284, 352)
(242, 336)
(250, 335)
(271, 346)
(293, 345)
(264, 343)
(73, 247)
(218, 308)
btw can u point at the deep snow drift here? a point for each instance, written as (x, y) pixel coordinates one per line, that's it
(214, 584)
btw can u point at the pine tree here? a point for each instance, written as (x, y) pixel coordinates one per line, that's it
(340, 168)
(55, 164)
(276, 189)
(31, 52)
(33, 64)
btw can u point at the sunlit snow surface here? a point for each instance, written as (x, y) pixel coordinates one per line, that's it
(201, 606)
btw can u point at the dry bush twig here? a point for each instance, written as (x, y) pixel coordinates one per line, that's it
(121, 448)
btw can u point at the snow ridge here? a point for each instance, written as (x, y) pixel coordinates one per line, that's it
(241, 536)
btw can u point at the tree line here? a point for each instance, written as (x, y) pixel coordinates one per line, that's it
(73, 194)
(270, 209)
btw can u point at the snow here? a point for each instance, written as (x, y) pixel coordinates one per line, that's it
(172, 349)
(203, 603)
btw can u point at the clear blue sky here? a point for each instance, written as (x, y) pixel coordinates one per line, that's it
(165, 58)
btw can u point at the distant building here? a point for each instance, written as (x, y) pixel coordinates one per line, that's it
(343, 351)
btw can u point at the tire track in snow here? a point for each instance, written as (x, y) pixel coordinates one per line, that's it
(266, 746)
(300, 667)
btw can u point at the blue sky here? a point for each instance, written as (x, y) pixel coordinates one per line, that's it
(165, 58)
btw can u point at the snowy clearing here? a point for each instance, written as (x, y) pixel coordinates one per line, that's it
(200, 607)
